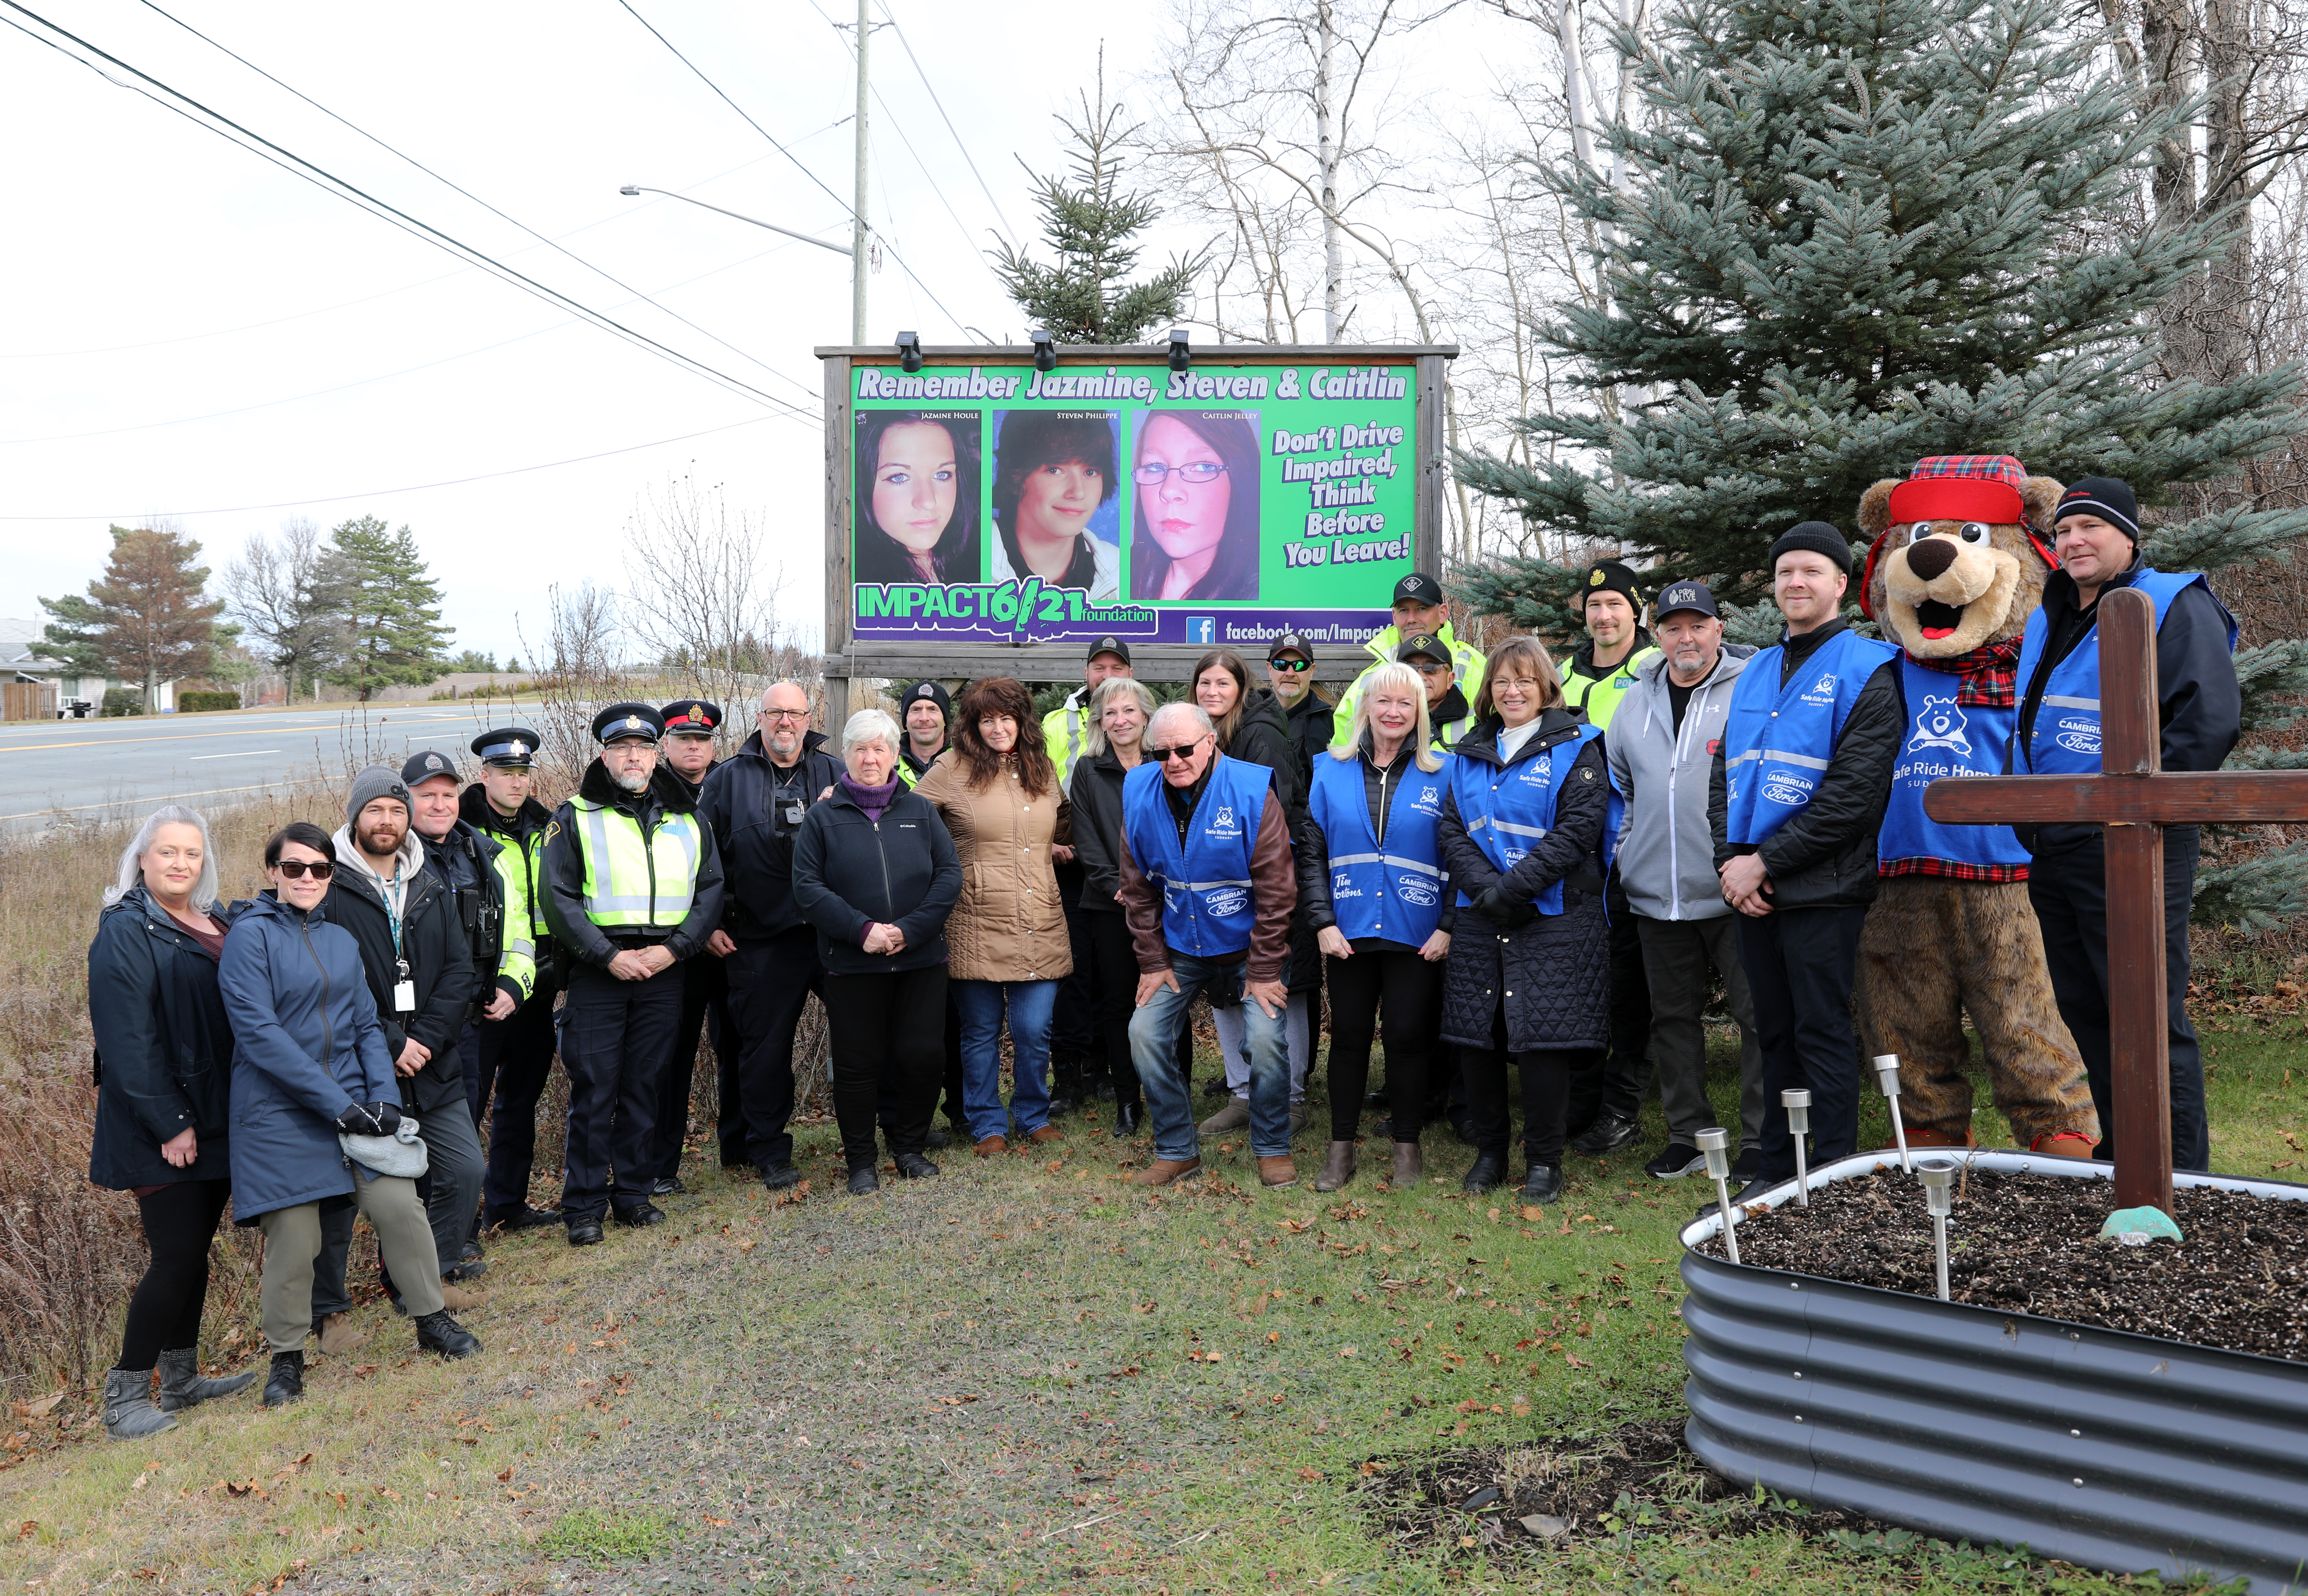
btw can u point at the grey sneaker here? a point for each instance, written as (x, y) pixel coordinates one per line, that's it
(1235, 1116)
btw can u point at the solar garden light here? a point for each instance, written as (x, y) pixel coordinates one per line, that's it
(1798, 1102)
(1887, 1076)
(1938, 1176)
(1711, 1143)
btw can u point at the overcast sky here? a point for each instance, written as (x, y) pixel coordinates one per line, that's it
(191, 329)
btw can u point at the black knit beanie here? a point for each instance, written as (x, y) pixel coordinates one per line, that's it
(1816, 538)
(2104, 497)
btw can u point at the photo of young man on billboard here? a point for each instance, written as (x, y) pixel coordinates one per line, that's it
(917, 504)
(1194, 535)
(1056, 499)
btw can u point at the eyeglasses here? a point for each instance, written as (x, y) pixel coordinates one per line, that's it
(1198, 472)
(295, 869)
(1292, 665)
(785, 715)
(1183, 751)
(1430, 667)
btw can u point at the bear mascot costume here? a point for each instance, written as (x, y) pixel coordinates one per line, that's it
(1956, 566)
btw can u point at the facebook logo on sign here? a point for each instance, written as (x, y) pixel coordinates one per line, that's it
(1201, 629)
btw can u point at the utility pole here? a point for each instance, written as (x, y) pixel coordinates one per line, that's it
(857, 216)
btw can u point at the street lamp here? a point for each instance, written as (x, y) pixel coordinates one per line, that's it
(857, 328)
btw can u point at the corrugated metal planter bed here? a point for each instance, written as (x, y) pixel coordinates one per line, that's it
(2099, 1447)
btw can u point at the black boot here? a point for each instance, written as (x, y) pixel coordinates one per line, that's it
(1126, 1117)
(584, 1231)
(779, 1173)
(438, 1332)
(181, 1386)
(913, 1166)
(285, 1382)
(863, 1179)
(129, 1413)
(1065, 1084)
(1542, 1184)
(1488, 1173)
(641, 1216)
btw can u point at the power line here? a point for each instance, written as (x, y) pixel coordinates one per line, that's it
(999, 215)
(413, 488)
(329, 183)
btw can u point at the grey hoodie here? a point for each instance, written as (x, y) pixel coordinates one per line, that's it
(1666, 849)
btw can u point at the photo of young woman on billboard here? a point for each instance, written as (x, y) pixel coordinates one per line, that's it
(1056, 499)
(1195, 533)
(917, 505)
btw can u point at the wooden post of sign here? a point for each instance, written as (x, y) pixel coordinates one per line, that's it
(2140, 1033)
(838, 436)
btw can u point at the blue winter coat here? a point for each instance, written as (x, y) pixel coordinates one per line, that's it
(297, 994)
(163, 1045)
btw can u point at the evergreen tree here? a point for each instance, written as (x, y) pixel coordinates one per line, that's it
(1852, 236)
(392, 609)
(70, 637)
(1090, 224)
(146, 619)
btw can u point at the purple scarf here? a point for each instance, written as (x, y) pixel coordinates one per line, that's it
(874, 800)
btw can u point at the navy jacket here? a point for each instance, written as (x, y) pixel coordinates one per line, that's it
(306, 1045)
(755, 843)
(163, 1045)
(901, 870)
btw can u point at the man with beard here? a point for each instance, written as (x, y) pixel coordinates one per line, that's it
(686, 760)
(632, 885)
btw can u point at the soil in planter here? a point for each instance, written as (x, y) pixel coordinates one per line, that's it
(2238, 1281)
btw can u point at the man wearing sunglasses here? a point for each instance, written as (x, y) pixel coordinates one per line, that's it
(1307, 714)
(1209, 882)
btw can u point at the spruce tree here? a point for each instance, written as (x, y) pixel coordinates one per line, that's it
(146, 619)
(1852, 236)
(392, 609)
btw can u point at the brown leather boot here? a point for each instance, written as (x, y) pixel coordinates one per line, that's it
(1163, 1171)
(1047, 1133)
(1409, 1165)
(991, 1146)
(1275, 1170)
(2064, 1144)
(1338, 1168)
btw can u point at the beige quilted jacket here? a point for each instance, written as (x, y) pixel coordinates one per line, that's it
(1009, 925)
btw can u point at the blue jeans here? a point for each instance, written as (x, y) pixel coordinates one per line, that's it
(1153, 1039)
(982, 1005)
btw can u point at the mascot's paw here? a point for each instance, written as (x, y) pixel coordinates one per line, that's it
(1940, 1138)
(2062, 1143)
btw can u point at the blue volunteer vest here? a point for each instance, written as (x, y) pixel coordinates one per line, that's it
(1207, 906)
(1944, 739)
(2066, 740)
(1778, 740)
(1507, 808)
(1391, 888)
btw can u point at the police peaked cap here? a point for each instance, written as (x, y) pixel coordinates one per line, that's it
(690, 717)
(507, 747)
(622, 720)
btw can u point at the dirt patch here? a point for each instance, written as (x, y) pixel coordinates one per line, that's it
(2237, 1281)
(1639, 1477)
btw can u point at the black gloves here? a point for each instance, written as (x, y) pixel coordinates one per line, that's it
(372, 1119)
(1505, 912)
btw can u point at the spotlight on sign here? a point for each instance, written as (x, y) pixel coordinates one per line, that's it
(1181, 355)
(1713, 1143)
(910, 351)
(1798, 1102)
(1887, 1076)
(1045, 353)
(1938, 1176)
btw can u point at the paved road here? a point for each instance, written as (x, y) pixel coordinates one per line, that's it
(83, 770)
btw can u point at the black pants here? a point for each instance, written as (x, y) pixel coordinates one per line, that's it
(1074, 1029)
(1116, 974)
(877, 1040)
(2068, 890)
(769, 984)
(514, 1060)
(1403, 992)
(705, 1012)
(1546, 1074)
(616, 1042)
(1800, 964)
(164, 1315)
(1617, 1087)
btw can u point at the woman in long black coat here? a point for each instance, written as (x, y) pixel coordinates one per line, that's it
(163, 1104)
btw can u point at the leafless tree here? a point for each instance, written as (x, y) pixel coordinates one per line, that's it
(588, 667)
(286, 597)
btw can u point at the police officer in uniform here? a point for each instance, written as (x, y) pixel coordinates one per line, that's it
(632, 886)
(2096, 531)
(925, 712)
(513, 1040)
(1449, 715)
(1419, 607)
(687, 760)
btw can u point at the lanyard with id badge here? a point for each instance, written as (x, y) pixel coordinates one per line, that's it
(404, 987)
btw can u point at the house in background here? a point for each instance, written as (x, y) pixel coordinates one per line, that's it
(21, 667)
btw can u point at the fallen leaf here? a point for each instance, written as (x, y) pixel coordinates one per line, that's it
(363, 1370)
(747, 1245)
(28, 1529)
(1530, 1211)
(1345, 1351)
(505, 1473)
(722, 1523)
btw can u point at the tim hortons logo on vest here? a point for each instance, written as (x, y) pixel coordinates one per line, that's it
(1940, 725)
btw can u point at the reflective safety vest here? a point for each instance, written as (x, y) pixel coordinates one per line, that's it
(1777, 742)
(1467, 663)
(1207, 905)
(1600, 695)
(1391, 888)
(1062, 734)
(633, 880)
(2066, 732)
(1944, 739)
(1508, 808)
(517, 962)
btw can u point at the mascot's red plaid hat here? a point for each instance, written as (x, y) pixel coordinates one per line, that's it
(1958, 488)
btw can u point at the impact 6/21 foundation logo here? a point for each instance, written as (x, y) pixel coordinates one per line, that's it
(1020, 608)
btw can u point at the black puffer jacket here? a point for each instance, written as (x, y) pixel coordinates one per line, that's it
(1095, 792)
(163, 1046)
(1553, 975)
(440, 963)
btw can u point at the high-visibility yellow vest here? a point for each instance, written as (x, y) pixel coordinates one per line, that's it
(1467, 665)
(632, 880)
(1062, 731)
(1600, 695)
(518, 961)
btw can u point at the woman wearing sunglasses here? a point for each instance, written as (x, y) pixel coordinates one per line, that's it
(1196, 534)
(309, 1064)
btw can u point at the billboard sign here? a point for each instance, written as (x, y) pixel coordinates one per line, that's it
(1221, 505)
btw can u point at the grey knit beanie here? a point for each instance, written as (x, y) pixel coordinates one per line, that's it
(378, 781)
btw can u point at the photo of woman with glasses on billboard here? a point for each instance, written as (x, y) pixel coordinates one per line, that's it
(917, 505)
(1195, 536)
(1056, 499)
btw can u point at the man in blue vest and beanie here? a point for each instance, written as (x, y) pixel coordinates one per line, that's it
(1209, 882)
(2095, 533)
(1796, 794)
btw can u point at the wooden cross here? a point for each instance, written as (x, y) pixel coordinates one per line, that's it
(2132, 800)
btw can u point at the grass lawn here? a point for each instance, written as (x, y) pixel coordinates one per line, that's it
(1022, 1377)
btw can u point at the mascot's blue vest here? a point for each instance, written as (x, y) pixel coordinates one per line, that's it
(1207, 908)
(2066, 741)
(1507, 808)
(1391, 887)
(1944, 740)
(1778, 741)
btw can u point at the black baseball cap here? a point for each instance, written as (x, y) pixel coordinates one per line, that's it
(1686, 596)
(1418, 588)
(619, 722)
(1424, 644)
(1113, 646)
(507, 747)
(690, 717)
(425, 765)
(1291, 642)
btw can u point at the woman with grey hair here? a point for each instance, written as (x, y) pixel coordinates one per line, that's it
(163, 1103)
(875, 873)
